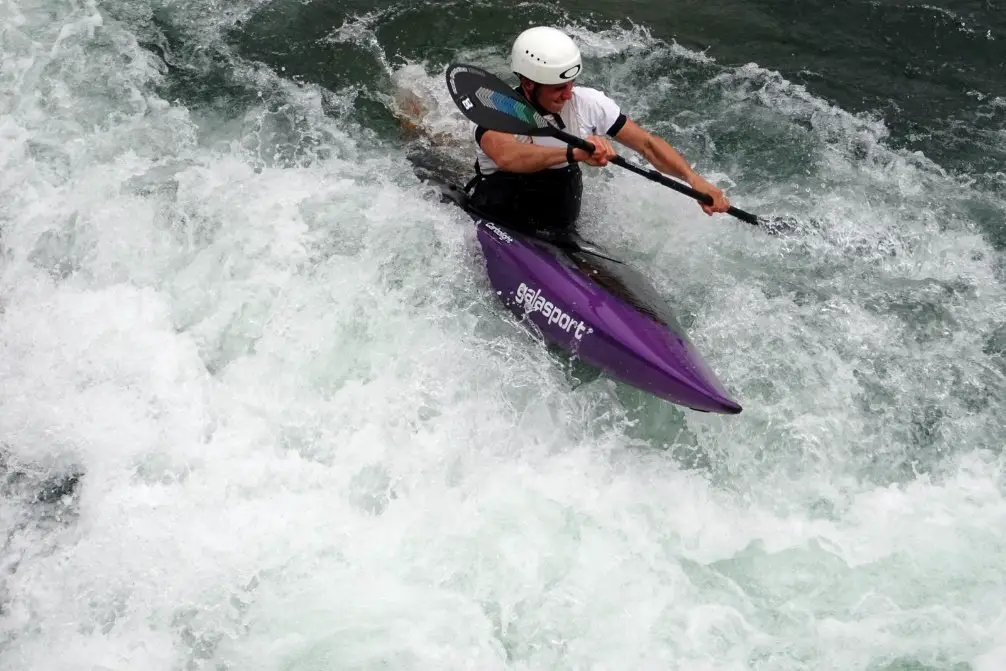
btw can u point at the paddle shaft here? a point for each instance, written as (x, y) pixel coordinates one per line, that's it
(654, 176)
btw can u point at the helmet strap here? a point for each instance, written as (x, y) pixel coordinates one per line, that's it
(535, 89)
(533, 96)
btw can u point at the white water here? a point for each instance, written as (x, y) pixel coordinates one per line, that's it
(310, 439)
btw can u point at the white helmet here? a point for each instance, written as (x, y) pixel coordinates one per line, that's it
(545, 56)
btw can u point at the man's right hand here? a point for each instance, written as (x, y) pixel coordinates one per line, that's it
(603, 152)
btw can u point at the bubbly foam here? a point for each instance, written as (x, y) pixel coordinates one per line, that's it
(307, 436)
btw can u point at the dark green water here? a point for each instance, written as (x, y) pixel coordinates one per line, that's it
(929, 73)
(928, 70)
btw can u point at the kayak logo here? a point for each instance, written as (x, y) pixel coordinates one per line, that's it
(534, 302)
(500, 233)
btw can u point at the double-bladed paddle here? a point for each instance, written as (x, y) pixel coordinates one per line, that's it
(487, 100)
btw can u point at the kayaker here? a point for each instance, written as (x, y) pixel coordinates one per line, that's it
(535, 183)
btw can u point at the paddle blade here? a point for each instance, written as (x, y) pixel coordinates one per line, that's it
(490, 103)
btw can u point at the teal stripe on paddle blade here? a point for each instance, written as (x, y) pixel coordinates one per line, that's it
(515, 108)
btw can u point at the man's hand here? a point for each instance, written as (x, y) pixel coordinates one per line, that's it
(720, 202)
(603, 152)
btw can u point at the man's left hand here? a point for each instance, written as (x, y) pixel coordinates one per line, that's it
(720, 202)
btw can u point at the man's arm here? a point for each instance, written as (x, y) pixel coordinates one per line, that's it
(513, 156)
(654, 149)
(666, 159)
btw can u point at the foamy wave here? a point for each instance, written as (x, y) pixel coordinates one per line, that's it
(297, 429)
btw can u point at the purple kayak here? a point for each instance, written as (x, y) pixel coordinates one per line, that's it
(598, 309)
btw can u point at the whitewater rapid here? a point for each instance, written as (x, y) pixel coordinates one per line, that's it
(259, 408)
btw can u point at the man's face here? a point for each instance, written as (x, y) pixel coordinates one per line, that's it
(553, 96)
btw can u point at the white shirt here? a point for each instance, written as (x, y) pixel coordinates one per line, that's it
(588, 112)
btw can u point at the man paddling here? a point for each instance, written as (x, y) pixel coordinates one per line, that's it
(534, 183)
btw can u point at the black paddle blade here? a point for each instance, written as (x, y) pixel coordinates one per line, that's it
(486, 99)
